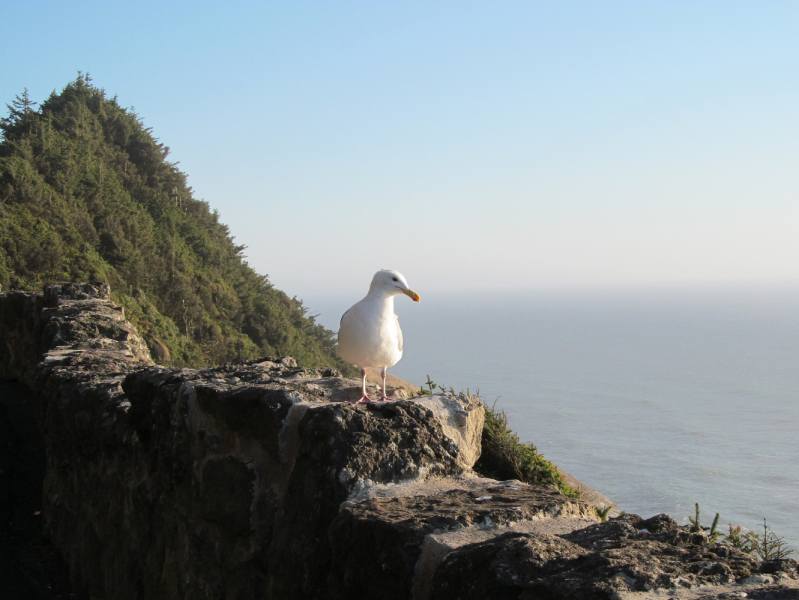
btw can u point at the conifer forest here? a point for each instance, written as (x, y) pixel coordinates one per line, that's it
(87, 194)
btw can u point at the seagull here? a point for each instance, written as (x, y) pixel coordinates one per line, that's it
(370, 334)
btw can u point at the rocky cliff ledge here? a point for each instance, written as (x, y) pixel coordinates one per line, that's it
(258, 481)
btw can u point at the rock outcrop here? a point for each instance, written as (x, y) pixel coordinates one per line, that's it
(259, 480)
(624, 557)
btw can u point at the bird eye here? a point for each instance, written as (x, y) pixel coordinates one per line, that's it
(395, 279)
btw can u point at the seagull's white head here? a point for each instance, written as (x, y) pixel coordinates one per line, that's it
(391, 283)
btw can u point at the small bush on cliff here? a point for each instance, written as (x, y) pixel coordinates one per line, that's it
(602, 513)
(504, 456)
(768, 546)
(737, 539)
(432, 385)
(712, 532)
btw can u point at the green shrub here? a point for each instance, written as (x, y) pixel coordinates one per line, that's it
(712, 532)
(767, 546)
(602, 513)
(504, 457)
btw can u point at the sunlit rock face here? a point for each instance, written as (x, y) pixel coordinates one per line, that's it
(260, 480)
(167, 483)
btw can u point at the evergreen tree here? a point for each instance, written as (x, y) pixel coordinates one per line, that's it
(20, 110)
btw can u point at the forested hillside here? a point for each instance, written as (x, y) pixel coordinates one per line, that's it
(87, 194)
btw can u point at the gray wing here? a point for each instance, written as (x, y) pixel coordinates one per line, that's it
(399, 333)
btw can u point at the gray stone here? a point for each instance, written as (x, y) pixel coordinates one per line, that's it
(605, 560)
(227, 493)
(395, 543)
(462, 419)
(228, 476)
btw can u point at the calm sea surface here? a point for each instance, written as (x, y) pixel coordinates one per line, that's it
(657, 399)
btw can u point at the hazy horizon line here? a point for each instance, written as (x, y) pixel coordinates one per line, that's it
(643, 288)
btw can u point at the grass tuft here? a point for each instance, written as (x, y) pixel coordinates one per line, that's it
(504, 457)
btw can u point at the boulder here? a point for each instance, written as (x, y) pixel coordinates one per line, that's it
(388, 541)
(616, 559)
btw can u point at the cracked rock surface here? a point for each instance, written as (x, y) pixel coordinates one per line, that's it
(201, 483)
(624, 557)
(394, 544)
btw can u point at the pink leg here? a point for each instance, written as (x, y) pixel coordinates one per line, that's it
(384, 398)
(364, 396)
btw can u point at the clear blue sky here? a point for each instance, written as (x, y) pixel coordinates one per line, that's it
(490, 145)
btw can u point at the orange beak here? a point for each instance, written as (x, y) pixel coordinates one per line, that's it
(412, 295)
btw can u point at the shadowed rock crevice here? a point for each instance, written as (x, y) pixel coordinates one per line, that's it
(30, 566)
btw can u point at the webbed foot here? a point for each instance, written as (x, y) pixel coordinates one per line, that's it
(362, 400)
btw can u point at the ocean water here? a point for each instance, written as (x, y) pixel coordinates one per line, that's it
(658, 399)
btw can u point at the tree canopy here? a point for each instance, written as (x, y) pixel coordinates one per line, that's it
(87, 194)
